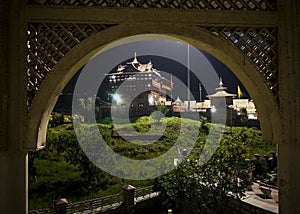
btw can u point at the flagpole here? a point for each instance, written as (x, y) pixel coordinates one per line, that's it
(171, 88)
(188, 76)
(200, 91)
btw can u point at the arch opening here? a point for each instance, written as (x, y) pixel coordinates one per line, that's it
(56, 80)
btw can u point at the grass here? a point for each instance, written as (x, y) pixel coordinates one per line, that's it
(62, 170)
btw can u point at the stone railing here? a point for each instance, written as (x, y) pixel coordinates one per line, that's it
(94, 204)
(130, 196)
(144, 193)
(41, 211)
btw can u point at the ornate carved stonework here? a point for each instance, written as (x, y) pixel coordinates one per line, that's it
(3, 72)
(249, 5)
(260, 45)
(48, 43)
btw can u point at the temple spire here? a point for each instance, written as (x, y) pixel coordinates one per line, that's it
(135, 61)
(221, 86)
(221, 82)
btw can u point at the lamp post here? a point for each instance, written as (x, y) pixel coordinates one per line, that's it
(213, 109)
(117, 99)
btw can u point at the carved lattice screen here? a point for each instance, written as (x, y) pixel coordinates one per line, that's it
(258, 5)
(260, 45)
(47, 44)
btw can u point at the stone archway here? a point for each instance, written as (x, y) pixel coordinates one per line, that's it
(23, 124)
(62, 72)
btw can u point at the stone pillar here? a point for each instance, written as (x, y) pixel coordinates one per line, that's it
(128, 198)
(13, 182)
(60, 206)
(13, 156)
(128, 195)
(289, 94)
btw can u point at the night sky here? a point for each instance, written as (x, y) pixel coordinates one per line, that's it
(167, 56)
(180, 71)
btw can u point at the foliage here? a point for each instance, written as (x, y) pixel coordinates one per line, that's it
(162, 110)
(194, 186)
(142, 124)
(51, 180)
(86, 106)
(251, 138)
(56, 119)
(63, 170)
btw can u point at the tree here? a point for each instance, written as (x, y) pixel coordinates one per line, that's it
(157, 115)
(193, 188)
(86, 106)
(162, 108)
(56, 119)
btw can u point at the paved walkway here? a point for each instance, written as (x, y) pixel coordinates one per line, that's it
(263, 197)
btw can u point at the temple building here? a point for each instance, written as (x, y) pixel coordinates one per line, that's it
(221, 96)
(247, 105)
(236, 107)
(138, 85)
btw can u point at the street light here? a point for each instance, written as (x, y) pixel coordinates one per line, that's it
(151, 100)
(117, 97)
(213, 109)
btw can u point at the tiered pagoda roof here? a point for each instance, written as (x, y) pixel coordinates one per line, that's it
(135, 67)
(221, 91)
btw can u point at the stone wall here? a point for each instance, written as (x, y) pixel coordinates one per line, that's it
(153, 206)
(146, 206)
